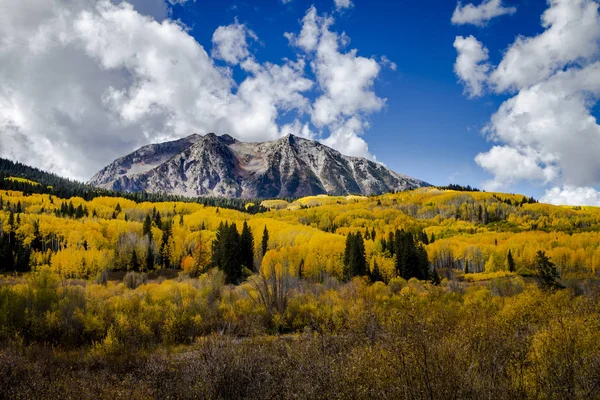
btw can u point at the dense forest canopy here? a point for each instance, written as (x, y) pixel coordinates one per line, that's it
(475, 281)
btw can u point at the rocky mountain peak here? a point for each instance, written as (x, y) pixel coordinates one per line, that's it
(213, 165)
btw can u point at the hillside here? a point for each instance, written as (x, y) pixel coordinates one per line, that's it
(431, 280)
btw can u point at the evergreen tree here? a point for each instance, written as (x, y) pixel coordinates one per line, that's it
(226, 252)
(150, 257)
(79, 212)
(147, 228)
(265, 241)
(247, 247)
(375, 274)
(6, 254)
(157, 219)
(467, 266)
(135, 264)
(165, 249)
(547, 273)
(510, 262)
(411, 257)
(354, 256)
(373, 234)
(435, 277)
(367, 234)
(423, 237)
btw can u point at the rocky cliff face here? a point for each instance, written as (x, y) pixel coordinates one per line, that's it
(221, 166)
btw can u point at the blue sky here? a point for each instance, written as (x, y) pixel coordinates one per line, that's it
(428, 128)
(499, 94)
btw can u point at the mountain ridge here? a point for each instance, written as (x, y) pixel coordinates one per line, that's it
(222, 166)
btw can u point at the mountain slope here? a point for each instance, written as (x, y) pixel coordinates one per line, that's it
(221, 166)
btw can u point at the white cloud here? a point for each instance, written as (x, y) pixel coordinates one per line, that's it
(386, 62)
(346, 81)
(571, 38)
(345, 137)
(341, 4)
(480, 15)
(573, 196)
(471, 65)
(83, 82)
(230, 43)
(554, 118)
(508, 165)
(546, 132)
(309, 34)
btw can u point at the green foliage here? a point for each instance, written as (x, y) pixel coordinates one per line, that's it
(354, 256)
(247, 247)
(547, 274)
(265, 241)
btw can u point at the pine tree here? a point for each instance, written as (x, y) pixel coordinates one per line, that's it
(466, 266)
(150, 257)
(510, 262)
(135, 264)
(367, 234)
(247, 247)
(375, 274)
(226, 252)
(147, 229)
(547, 273)
(180, 219)
(79, 212)
(265, 241)
(373, 234)
(157, 219)
(165, 249)
(435, 277)
(354, 256)
(6, 254)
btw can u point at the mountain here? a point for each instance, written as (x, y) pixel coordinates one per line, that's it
(222, 166)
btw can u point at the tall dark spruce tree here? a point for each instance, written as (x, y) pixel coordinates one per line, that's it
(265, 241)
(510, 261)
(354, 256)
(411, 256)
(147, 231)
(247, 247)
(227, 252)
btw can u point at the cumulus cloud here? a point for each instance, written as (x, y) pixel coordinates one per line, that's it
(525, 164)
(546, 132)
(570, 195)
(471, 65)
(230, 43)
(480, 15)
(345, 80)
(83, 82)
(571, 37)
(341, 4)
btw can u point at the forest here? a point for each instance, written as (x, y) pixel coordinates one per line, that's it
(432, 293)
